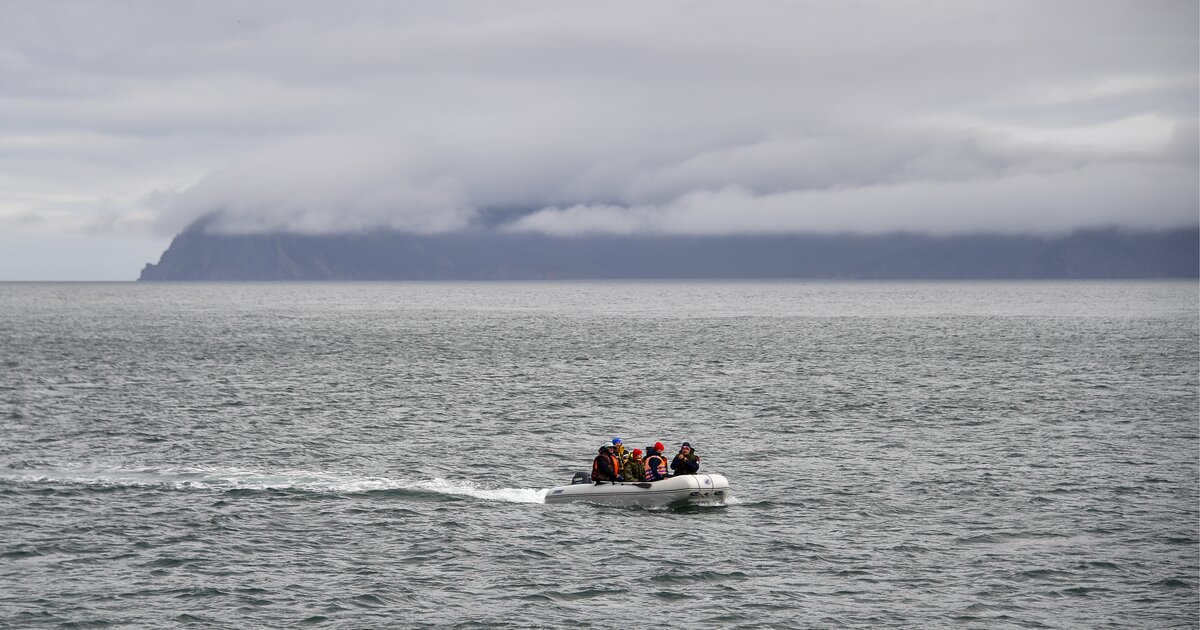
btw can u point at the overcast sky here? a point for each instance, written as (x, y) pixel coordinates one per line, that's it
(121, 122)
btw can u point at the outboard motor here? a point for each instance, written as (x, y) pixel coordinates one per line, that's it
(581, 477)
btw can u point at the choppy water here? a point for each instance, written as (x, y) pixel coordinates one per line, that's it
(374, 455)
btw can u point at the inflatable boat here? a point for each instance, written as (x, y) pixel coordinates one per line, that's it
(670, 491)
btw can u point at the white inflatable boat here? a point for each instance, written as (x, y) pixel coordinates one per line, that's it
(673, 490)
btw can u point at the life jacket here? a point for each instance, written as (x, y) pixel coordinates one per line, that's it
(616, 467)
(660, 466)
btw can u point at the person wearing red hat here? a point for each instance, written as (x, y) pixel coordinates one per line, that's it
(634, 468)
(656, 464)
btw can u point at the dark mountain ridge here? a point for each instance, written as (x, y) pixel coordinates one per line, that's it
(197, 254)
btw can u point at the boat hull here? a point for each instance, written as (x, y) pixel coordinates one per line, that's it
(671, 491)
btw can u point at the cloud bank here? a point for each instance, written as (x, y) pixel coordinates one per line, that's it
(667, 118)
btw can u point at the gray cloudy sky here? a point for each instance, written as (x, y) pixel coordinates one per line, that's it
(120, 122)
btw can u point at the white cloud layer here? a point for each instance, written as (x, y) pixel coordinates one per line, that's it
(1091, 196)
(664, 117)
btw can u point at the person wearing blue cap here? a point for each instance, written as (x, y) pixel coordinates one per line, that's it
(619, 450)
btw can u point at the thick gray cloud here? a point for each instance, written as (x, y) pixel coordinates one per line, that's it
(667, 117)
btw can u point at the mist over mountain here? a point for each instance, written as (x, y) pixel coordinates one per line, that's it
(200, 254)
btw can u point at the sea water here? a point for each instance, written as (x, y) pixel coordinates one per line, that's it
(905, 455)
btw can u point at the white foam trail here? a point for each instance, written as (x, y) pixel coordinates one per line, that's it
(468, 489)
(237, 479)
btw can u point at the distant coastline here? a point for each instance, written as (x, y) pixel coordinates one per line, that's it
(199, 255)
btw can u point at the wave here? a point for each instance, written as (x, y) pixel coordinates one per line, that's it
(232, 479)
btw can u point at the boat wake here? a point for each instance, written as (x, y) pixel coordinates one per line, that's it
(231, 479)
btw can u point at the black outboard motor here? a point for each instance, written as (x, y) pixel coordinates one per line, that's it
(581, 477)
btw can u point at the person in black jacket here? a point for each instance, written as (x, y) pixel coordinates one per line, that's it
(606, 466)
(655, 464)
(686, 461)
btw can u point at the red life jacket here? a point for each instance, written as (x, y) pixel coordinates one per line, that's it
(660, 466)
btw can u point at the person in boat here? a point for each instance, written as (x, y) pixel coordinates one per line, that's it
(619, 450)
(686, 461)
(656, 464)
(606, 466)
(634, 468)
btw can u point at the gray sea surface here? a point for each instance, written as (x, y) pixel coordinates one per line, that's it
(902, 455)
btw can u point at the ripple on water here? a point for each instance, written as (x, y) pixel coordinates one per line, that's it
(679, 577)
(906, 454)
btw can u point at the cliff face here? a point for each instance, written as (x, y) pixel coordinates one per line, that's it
(199, 255)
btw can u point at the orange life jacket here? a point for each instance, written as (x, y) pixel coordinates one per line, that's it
(616, 467)
(661, 467)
